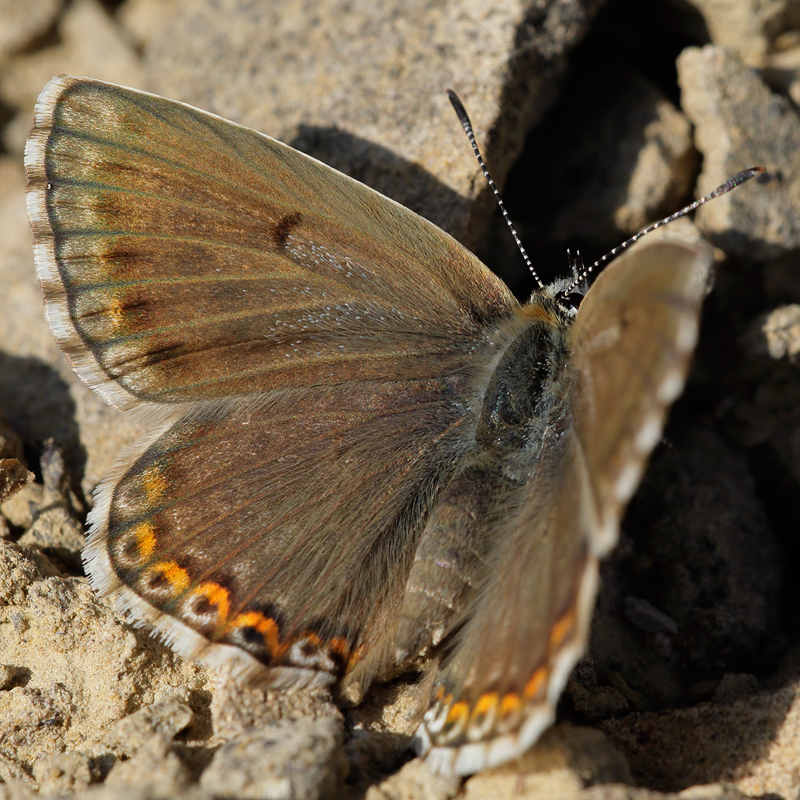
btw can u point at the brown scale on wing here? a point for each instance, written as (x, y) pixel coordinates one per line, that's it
(283, 227)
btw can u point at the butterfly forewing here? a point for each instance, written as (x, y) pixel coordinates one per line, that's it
(184, 257)
(635, 331)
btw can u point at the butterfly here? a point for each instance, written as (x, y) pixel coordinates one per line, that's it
(365, 454)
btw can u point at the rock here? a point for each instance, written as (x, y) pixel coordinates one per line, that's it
(10, 441)
(23, 22)
(645, 616)
(749, 27)
(776, 334)
(160, 721)
(561, 764)
(699, 551)
(154, 769)
(782, 70)
(782, 279)
(62, 773)
(89, 43)
(740, 123)
(13, 477)
(54, 525)
(634, 162)
(717, 561)
(14, 473)
(21, 509)
(751, 742)
(20, 569)
(141, 19)
(84, 670)
(734, 687)
(380, 114)
(236, 709)
(34, 720)
(58, 535)
(414, 781)
(301, 760)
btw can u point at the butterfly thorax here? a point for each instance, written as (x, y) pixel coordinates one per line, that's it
(526, 391)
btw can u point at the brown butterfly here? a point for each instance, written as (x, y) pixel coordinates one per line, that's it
(364, 449)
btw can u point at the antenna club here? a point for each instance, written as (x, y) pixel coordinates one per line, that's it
(736, 180)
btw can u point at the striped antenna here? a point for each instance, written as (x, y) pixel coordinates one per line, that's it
(731, 183)
(463, 118)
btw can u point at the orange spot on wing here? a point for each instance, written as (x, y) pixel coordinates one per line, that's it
(218, 596)
(486, 705)
(340, 646)
(310, 637)
(536, 683)
(116, 313)
(510, 704)
(458, 714)
(177, 576)
(562, 628)
(154, 483)
(266, 626)
(145, 539)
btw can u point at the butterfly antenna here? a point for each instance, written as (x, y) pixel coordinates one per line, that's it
(463, 118)
(575, 263)
(726, 187)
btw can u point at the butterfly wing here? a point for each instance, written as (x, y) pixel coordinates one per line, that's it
(185, 258)
(306, 347)
(511, 650)
(274, 533)
(632, 341)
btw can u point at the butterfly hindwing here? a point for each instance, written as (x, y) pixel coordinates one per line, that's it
(276, 532)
